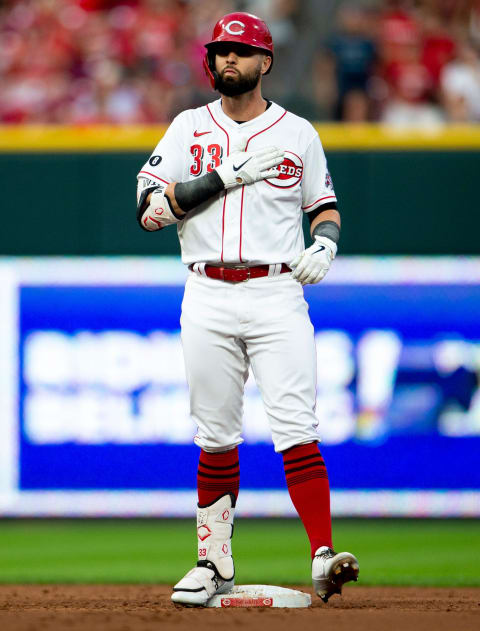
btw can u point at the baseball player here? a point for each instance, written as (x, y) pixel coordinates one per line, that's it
(235, 177)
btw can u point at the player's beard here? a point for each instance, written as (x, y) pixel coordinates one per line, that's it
(236, 84)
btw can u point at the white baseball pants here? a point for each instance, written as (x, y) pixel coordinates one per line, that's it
(226, 327)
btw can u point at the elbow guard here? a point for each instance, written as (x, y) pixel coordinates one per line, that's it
(158, 213)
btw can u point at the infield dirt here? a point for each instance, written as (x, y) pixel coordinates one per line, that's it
(148, 608)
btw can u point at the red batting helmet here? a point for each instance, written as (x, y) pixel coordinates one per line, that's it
(243, 28)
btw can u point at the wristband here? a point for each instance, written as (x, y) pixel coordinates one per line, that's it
(329, 229)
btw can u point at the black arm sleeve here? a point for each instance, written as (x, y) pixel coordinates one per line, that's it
(191, 194)
(329, 229)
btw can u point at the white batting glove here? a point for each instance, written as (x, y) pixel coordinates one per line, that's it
(247, 167)
(311, 265)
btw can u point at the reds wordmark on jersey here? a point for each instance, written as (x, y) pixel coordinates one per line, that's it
(251, 224)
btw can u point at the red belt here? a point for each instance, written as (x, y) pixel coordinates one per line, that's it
(238, 274)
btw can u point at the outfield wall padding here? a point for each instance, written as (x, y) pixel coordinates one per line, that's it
(395, 201)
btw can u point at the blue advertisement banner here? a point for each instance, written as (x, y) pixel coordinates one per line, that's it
(102, 403)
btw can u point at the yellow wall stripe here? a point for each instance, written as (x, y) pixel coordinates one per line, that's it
(143, 138)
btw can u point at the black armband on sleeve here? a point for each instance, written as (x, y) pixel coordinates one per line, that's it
(320, 209)
(328, 229)
(191, 194)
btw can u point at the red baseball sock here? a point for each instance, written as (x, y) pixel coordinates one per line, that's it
(218, 473)
(307, 482)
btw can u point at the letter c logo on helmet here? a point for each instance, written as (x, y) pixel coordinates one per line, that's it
(242, 28)
(238, 31)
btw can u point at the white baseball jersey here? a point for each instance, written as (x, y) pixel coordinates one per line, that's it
(251, 224)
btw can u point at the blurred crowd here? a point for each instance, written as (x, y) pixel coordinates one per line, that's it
(140, 61)
(402, 62)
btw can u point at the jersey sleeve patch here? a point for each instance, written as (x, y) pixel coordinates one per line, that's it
(155, 161)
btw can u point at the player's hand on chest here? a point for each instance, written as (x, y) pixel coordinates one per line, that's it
(209, 149)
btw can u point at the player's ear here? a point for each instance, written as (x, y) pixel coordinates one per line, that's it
(266, 63)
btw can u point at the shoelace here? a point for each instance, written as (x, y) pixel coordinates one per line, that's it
(326, 554)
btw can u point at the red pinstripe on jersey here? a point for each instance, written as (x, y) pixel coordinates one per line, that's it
(226, 192)
(241, 223)
(261, 131)
(243, 187)
(223, 222)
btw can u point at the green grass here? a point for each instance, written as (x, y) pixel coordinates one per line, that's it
(391, 552)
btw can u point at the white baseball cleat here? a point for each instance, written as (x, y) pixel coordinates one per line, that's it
(199, 585)
(215, 570)
(331, 570)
